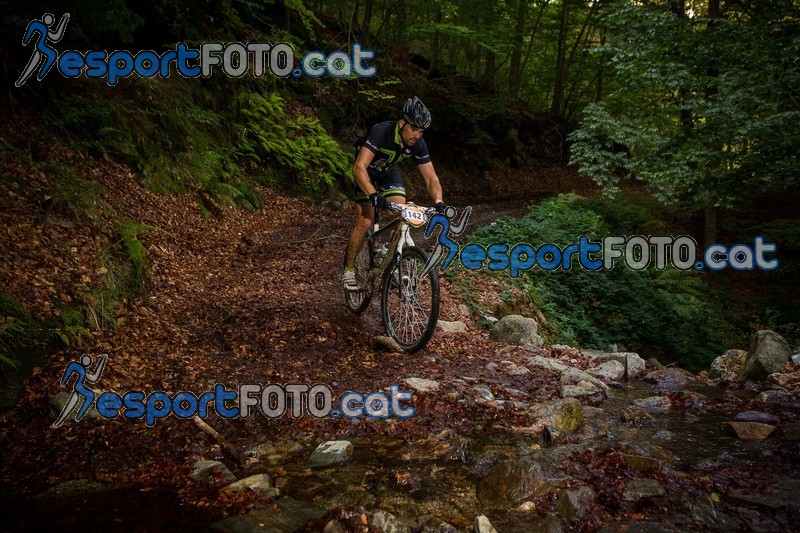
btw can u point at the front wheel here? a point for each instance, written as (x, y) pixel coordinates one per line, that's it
(409, 301)
(357, 301)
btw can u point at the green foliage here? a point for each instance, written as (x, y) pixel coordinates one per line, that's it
(706, 108)
(71, 195)
(670, 314)
(300, 146)
(135, 252)
(15, 325)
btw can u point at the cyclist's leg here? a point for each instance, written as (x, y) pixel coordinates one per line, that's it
(364, 215)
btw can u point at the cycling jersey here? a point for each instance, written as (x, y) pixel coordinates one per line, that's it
(384, 142)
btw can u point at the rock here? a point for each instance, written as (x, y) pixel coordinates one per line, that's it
(750, 430)
(608, 371)
(422, 384)
(59, 402)
(464, 309)
(782, 380)
(706, 513)
(484, 392)
(482, 525)
(584, 388)
(774, 396)
(634, 366)
(334, 526)
(573, 376)
(653, 404)
(548, 363)
(767, 354)
(756, 416)
(655, 363)
(526, 507)
(516, 329)
(511, 482)
(728, 366)
(437, 525)
(257, 483)
(492, 367)
(519, 371)
(385, 522)
(637, 416)
(796, 359)
(329, 453)
(640, 463)
(669, 378)
(565, 414)
(69, 489)
(388, 343)
(573, 503)
(211, 473)
(451, 327)
(273, 454)
(636, 489)
(291, 515)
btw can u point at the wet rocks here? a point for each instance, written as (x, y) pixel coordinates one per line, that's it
(728, 366)
(756, 416)
(482, 525)
(653, 404)
(767, 354)
(291, 515)
(513, 481)
(633, 364)
(573, 503)
(750, 430)
(516, 329)
(211, 473)
(330, 453)
(669, 378)
(637, 489)
(565, 415)
(609, 371)
(257, 483)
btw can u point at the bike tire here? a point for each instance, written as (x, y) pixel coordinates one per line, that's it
(357, 302)
(410, 312)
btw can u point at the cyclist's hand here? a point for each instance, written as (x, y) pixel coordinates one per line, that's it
(440, 207)
(377, 200)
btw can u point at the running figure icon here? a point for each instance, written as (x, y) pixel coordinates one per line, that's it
(80, 368)
(43, 56)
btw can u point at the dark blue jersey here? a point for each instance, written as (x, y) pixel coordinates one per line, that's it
(384, 141)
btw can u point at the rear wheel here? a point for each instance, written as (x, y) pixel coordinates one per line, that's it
(357, 301)
(409, 300)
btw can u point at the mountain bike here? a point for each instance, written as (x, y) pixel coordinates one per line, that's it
(389, 261)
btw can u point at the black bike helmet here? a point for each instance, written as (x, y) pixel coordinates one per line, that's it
(416, 114)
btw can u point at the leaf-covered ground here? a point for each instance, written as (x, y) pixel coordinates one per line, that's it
(235, 298)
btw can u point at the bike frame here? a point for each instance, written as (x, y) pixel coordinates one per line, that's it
(400, 239)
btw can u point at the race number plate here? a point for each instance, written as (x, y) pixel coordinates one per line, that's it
(414, 215)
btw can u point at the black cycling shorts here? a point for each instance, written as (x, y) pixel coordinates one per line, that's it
(390, 184)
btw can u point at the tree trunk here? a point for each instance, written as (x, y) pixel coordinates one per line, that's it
(561, 53)
(366, 21)
(515, 69)
(437, 18)
(487, 78)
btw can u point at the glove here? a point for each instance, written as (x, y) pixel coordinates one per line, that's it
(377, 200)
(440, 207)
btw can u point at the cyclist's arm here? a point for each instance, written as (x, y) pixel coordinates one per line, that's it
(364, 158)
(431, 181)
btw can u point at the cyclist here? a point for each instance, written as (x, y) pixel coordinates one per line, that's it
(378, 179)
